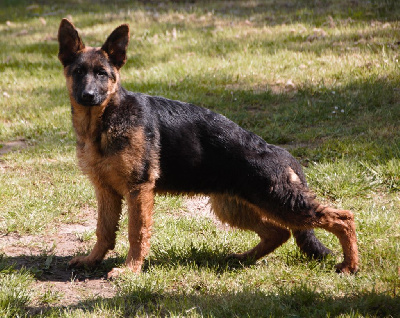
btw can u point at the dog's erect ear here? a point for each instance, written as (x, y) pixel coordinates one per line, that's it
(116, 45)
(69, 42)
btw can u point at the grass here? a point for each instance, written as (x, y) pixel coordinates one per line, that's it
(317, 77)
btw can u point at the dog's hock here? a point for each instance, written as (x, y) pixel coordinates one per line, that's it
(293, 177)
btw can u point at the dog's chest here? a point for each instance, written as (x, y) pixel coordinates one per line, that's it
(113, 159)
(102, 170)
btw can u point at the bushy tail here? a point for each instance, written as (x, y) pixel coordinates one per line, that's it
(310, 245)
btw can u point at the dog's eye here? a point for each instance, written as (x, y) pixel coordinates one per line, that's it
(101, 73)
(78, 71)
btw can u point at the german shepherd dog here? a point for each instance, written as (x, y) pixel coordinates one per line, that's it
(133, 146)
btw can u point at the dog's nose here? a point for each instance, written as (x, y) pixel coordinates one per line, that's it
(88, 95)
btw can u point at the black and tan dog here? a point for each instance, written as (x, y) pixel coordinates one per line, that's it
(133, 145)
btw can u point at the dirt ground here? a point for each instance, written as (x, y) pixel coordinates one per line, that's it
(12, 145)
(47, 256)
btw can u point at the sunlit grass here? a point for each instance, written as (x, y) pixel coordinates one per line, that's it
(319, 78)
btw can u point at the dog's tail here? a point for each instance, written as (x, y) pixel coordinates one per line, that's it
(310, 245)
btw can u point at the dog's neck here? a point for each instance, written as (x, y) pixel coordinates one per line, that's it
(86, 120)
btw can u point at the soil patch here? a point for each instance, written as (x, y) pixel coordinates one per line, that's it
(47, 255)
(12, 145)
(199, 207)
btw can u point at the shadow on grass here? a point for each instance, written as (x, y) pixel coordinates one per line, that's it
(212, 46)
(53, 268)
(142, 296)
(263, 12)
(278, 11)
(300, 301)
(213, 258)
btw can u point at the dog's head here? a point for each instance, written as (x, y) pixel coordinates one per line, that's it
(92, 73)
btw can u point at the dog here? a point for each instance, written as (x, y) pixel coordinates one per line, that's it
(133, 146)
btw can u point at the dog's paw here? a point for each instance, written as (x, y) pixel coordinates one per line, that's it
(81, 262)
(242, 259)
(115, 272)
(237, 256)
(346, 268)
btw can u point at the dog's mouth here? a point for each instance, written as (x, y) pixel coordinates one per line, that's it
(89, 100)
(88, 103)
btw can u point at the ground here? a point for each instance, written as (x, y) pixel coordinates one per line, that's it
(47, 254)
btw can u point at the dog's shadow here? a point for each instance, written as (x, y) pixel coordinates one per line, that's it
(197, 257)
(55, 268)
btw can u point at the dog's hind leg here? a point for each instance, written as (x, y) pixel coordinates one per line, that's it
(243, 216)
(340, 223)
(309, 244)
(312, 214)
(109, 211)
(271, 237)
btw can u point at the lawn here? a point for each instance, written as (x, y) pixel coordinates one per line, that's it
(319, 78)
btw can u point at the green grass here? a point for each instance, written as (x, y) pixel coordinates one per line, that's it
(15, 293)
(320, 78)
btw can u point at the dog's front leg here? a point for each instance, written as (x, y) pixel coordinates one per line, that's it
(109, 211)
(140, 219)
